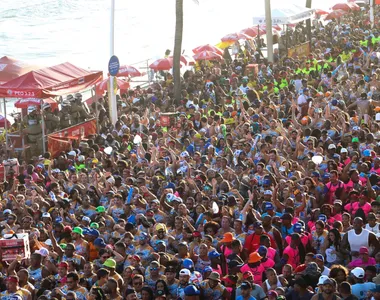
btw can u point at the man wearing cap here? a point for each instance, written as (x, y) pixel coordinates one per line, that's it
(328, 288)
(360, 288)
(246, 290)
(171, 281)
(161, 235)
(72, 285)
(13, 288)
(81, 246)
(152, 274)
(195, 277)
(184, 278)
(143, 249)
(191, 293)
(257, 291)
(212, 288)
(363, 260)
(110, 265)
(252, 241)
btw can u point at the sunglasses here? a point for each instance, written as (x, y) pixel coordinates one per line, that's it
(153, 269)
(106, 257)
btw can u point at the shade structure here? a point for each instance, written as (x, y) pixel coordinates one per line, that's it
(346, 6)
(207, 55)
(336, 14)
(3, 120)
(163, 64)
(102, 86)
(208, 47)
(291, 14)
(234, 37)
(25, 103)
(11, 68)
(128, 71)
(52, 81)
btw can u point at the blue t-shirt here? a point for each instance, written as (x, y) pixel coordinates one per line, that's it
(241, 298)
(360, 289)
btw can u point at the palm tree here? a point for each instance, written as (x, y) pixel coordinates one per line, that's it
(178, 49)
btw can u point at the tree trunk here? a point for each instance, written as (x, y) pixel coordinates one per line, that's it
(177, 50)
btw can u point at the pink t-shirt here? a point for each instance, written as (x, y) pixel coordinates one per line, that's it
(257, 273)
(271, 253)
(293, 256)
(359, 263)
(377, 171)
(304, 239)
(218, 270)
(338, 217)
(366, 208)
(269, 263)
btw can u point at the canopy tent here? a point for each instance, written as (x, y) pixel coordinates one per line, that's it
(25, 103)
(52, 81)
(290, 15)
(11, 68)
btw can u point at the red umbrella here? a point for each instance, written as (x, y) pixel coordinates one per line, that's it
(321, 12)
(207, 55)
(186, 60)
(2, 122)
(103, 85)
(208, 47)
(346, 6)
(253, 31)
(336, 14)
(163, 64)
(233, 37)
(11, 68)
(126, 71)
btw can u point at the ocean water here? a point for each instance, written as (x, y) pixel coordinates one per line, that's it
(48, 32)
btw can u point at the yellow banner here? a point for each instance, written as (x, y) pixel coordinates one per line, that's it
(300, 50)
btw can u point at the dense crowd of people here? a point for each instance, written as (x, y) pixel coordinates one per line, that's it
(253, 186)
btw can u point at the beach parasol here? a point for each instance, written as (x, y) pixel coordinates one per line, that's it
(2, 122)
(320, 12)
(25, 103)
(253, 31)
(207, 55)
(336, 14)
(186, 60)
(163, 64)
(103, 85)
(234, 37)
(346, 6)
(208, 47)
(126, 71)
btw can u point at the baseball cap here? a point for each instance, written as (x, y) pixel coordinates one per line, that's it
(86, 219)
(355, 140)
(188, 263)
(268, 192)
(322, 279)
(343, 150)
(319, 257)
(99, 242)
(269, 206)
(184, 272)
(328, 281)
(191, 290)
(358, 272)
(43, 252)
(297, 227)
(46, 215)
(213, 254)
(245, 285)
(331, 146)
(247, 274)
(363, 250)
(7, 211)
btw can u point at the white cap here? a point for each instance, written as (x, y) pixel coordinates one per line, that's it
(358, 272)
(42, 251)
(87, 219)
(135, 100)
(177, 199)
(185, 272)
(322, 279)
(268, 192)
(377, 117)
(332, 146)
(355, 128)
(185, 154)
(343, 150)
(81, 158)
(7, 211)
(48, 242)
(32, 108)
(72, 153)
(46, 215)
